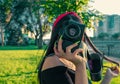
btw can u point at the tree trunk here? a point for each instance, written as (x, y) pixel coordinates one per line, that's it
(38, 36)
(2, 37)
(40, 41)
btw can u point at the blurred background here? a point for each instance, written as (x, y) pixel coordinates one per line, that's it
(25, 29)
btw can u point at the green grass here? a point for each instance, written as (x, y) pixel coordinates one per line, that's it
(18, 65)
(30, 47)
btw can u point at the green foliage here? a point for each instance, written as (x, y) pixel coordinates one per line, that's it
(20, 16)
(54, 8)
(5, 7)
(103, 36)
(20, 6)
(28, 12)
(116, 35)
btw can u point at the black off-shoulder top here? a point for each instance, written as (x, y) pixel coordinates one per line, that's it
(58, 75)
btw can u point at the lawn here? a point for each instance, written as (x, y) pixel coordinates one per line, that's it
(18, 65)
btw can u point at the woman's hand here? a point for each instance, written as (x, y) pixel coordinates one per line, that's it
(110, 73)
(74, 57)
(113, 71)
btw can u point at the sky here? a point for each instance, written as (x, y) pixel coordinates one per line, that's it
(107, 6)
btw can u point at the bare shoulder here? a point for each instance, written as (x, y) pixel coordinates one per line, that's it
(51, 61)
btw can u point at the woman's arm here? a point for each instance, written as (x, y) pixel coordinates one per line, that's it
(80, 74)
(76, 59)
(110, 73)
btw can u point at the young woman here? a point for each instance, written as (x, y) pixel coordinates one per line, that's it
(59, 66)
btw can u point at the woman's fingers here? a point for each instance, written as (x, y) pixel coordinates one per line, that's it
(60, 46)
(58, 49)
(115, 69)
(73, 57)
(55, 50)
(69, 48)
(78, 51)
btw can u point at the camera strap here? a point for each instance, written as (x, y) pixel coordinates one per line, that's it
(90, 43)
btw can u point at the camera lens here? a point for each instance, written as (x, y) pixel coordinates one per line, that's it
(73, 31)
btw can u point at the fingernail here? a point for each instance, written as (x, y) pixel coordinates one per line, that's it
(55, 44)
(61, 37)
(77, 42)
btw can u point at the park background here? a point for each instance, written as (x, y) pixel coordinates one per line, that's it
(25, 28)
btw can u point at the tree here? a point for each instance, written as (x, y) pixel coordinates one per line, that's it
(103, 36)
(5, 15)
(55, 7)
(13, 29)
(37, 29)
(21, 13)
(28, 12)
(52, 8)
(116, 36)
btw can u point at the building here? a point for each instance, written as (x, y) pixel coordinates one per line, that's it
(110, 25)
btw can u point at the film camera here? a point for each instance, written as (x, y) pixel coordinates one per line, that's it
(71, 32)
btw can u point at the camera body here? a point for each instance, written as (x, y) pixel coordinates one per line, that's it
(95, 63)
(72, 32)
